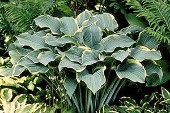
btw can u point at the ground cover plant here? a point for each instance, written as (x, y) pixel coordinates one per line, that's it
(89, 54)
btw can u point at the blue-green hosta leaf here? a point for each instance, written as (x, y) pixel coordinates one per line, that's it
(70, 85)
(46, 57)
(132, 29)
(69, 26)
(93, 81)
(75, 54)
(90, 57)
(132, 70)
(85, 15)
(14, 71)
(49, 22)
(33, 68)
(92, 35)
(120, 55)
(106, 21)
(66, 63)
(34, 41)
(143, 53)
(111, 42)
(147, 40)
(152, 68)
(53, 41)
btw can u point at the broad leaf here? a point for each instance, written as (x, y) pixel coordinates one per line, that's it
(75, 54)
(70, 85)
(49, 22)
(111, 42)
(93, 81)
(143, 53)
(120, 55)
(46, 57)
(106, 21)
(90, 57)
(34, 41)
(132, 70)
(59, 41)
(151, 67)
(14, 71)
(92, 35)
(85, 15)
(130, 30)
(147, 40)
(66, 63)
(69, 26)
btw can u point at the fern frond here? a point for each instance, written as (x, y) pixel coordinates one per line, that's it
(157, 13)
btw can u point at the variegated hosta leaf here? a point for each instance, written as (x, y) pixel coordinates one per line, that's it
(33, 68)
(147, 40)
(85, 15)
(106, 21)
(6, 94)
(92, 35)
(75, 54)
(120, 55)
(46, 57)
(111, 42)
(69, 26)
(132, 70)
(93, 81)
(34, 41)
(143, 53)
(165, 93)
(70, 85)
(130, 30)
(66, 63)
(49, 22)
(90, 57)
(152, 68)
(53, 41)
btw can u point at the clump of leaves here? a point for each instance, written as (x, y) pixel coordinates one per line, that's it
(18, 104)
(90, 54)
(157, 103)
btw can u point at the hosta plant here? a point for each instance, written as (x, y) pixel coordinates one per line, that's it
(93, 57)
(154, 103)
(18, 104)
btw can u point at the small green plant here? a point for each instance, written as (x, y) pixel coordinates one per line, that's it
(92, 58)
(157, 103)
(18, 104)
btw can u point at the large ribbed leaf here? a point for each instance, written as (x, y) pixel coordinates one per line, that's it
(113, 41)
(132, 70)
(75, 54)
(69, 26)
(106, 21)
(34, 41)
(132, 29)
(143, 53)
(15, 71)
(66, 63)
(49, 22)
(120, 55)
(46, 57)
(92, 35)
(57, 41)
(90, 57)
(70, 85)
(152, 68)
(147, 40)
(93, 81)
(85, 15)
